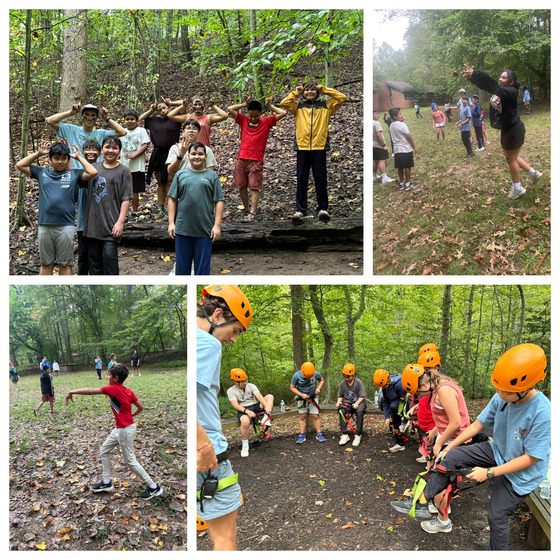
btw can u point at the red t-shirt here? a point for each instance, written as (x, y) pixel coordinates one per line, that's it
(424, 412)
(204, 134)
(253, 138)
(121, 400)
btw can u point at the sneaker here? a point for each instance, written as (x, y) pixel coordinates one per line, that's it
(397, 447)
(387, 181)
(376, 178)
(134, 217)
(357, 441)
(401, 186)
(434, 525)
(420, 512)
(323, 215)
(102, 487)
(300, 438)
(421, 459)
(320, 437)
(515, 194)
(433, 509)
(344, 439)
(404, 427)
(470, 155)
(536, 176)
(297, 217)
(161, 214)
(249, 217)
(244, 451)
(410, 186)
(150, 493)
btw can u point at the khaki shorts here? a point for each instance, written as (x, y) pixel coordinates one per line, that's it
(56, 245)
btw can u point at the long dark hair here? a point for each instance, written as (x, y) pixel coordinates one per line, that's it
(513, 77)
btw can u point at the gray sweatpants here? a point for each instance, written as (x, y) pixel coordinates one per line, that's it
(504, 499)
(123, 438)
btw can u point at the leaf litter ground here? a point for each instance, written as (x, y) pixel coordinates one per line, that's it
(322, 496)
(54, 460)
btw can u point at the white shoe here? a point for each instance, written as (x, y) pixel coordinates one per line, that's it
(344, 439)
(515, 193)
(536, 176)
(323, 215)
(421, 459)
(297, 217)
(397, 447)
(376, 178)
(433, 509)
(357, 441)
(387, 181)
(245, 451)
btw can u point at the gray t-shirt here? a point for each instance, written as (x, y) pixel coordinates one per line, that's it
(351, 393)
(196, 193)
(377, 128)
(243, 397)
(106, 193)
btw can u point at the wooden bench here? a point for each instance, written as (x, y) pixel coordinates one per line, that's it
(539, 526)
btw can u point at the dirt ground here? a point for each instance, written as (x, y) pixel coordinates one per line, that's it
(151, 262)
(321, 496)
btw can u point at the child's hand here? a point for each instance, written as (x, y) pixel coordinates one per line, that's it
(44, 148)
(215, 234)
(171, 231)
(117, 229)
(299, 89)
(211, 103)
(74, 153)
(478, 474)
(68, 398)
(129, 156)
(267, 103)
(104, 113)
(468, 71)
(246, 98)
(76, 108)
(320, 88)
(166, 100)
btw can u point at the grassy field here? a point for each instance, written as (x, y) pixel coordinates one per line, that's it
(54, 459)
(459, 220)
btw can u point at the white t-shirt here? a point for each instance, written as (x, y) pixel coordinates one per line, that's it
(132, 142)
(377, 128)
(401, 144)
(185, 163)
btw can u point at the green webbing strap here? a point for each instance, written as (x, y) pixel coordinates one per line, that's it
(419, 485)
(223, 483)
(402, 404)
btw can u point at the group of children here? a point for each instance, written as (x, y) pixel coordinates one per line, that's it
(102, 173)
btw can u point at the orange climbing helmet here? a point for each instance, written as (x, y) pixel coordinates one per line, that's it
(429, 359)
(236, 301)
(237, 374)
(410, 377)
(200, 524)
(380, 377)
(349, 369)
(520, 368)
(307, 370)
(430, 347)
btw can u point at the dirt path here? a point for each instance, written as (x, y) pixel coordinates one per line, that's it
(320, 496)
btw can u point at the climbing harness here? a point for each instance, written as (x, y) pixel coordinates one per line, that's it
(212, 484)
(262, 424)
(345, 411)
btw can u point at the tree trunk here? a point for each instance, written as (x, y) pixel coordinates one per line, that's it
(185, 41)
(445, 323)
(327, 337)
(522, 318)
(466, 364)
(296, 293)
(501, 318)
(73, 80)
(351, 319)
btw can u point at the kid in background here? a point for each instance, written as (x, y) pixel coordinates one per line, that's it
(403, 149)
(438, 121)
(47, 389)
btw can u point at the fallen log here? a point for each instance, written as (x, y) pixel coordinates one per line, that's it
(341, 234)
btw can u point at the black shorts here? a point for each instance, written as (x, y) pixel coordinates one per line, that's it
(380, 154)
(513, 138)
(404, 161)
(256, 408)
(138, 182)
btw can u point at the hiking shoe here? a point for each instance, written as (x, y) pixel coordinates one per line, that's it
(434, 525)
(297, 217)
(323, 215)
(150, 493)
(433, 509)
(244, 451)
(421, 511)
(249, 217)
(516, 193)
(536, 176)
(357, 441)
(320, 437)
(397, 447)
(344, 439)
(102, 487)
(300, 438)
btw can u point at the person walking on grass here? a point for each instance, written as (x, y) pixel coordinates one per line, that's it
(47, 389)
(122, 436)
(504, 115)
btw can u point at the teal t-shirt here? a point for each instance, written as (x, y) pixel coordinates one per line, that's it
(196, 193)
(304, 385)
(519, 429)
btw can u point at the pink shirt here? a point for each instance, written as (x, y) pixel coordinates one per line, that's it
(438, 117)
(440, 416)
(204, 134)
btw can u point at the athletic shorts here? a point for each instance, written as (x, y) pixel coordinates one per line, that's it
(47, 398)
(440, 124)
(404, 160)
(306, 406)
(248, 173)
(138, 182)
(224, 501)
(513, 138)
(256, 408)
(380, 154)
(56, 245)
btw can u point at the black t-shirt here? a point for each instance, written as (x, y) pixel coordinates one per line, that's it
(164, 132)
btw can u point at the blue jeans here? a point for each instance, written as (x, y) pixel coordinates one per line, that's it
(189, 250)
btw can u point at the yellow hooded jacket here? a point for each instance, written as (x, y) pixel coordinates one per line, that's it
(312, 118)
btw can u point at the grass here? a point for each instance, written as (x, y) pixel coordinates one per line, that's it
(459, 220)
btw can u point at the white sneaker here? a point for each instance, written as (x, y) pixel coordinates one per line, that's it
(297, 217)
(376, 178)
(344, 439)
(357, 440)
(397, 447)
(244, 451)
(433, 509)
(536, 176)
(323, 215)
(516, 193)
(387, 180)
(421, 459)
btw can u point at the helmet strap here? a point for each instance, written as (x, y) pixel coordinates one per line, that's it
(213, 325)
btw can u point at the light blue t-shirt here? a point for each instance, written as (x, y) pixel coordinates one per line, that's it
(465, 114)
(526, 96)
(519, 429)
(77, 135)
(303, 385)
(208, 363)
